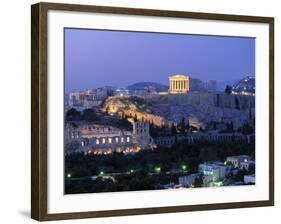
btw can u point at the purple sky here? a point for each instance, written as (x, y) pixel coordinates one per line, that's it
(96, 58)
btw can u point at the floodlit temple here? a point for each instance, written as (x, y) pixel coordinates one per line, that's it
(179, 84)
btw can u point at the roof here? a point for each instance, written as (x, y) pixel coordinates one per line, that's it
(213, 165)
(238, 157)
(179, 76)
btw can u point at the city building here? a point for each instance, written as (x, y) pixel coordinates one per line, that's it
(122, 92)
(189, 179)
(107, 143)
(203, 86)
(141, 134)
(236, 161)
(249, 179)
(78, 130)
(167, 141)
(213, 173)
(196, 84)
(211, 85)
(89, 97)
(179, 84)
(75, 99)
(246, 165)
(101, 139)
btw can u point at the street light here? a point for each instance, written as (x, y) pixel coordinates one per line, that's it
(183, 167)
(68, 175)
(101, 173)
(157, 169)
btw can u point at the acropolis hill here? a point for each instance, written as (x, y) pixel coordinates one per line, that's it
(149, 115)
(200, 108)
(186, 98)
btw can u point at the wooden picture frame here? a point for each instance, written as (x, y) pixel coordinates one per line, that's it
(39, 105)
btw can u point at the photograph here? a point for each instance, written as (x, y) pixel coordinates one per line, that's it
(157, 111)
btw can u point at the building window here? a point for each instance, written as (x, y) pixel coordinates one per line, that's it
(97, 142)
(122, 139)
(128, 139)
(103, 140)
(109, 140)
(116, 139)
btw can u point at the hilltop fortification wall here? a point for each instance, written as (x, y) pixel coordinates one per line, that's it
(241, 102)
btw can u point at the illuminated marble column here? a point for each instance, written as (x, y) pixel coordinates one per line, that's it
(179, 84)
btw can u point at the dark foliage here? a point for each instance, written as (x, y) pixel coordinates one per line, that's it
(73, 114)
(247, 129)
(138, 171)
(228, 89)
(89, 115)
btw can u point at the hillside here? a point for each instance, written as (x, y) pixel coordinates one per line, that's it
(142, 86)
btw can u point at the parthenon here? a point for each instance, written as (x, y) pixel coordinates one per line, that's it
(179, 84)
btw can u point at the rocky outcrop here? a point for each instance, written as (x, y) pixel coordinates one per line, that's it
(222, 100)
(198, 108)
(132, 108)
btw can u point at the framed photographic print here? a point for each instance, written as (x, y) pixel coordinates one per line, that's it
(141, 111)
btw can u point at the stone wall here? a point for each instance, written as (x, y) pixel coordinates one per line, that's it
(200, 108)
(223, 100)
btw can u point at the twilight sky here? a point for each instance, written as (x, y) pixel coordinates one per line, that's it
(96, 58)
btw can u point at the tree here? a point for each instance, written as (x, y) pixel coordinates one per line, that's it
(124, 123)
(89, 115)
(187, 125)
(143, 162)
(182, 125)
(193, 128)
(215, 126)
(207, 154)
(237, 105)
(173, 129)
(250, 111)
(231, 127)
(107, 109)
(198, 182)
(73, 114)
(228, 89)
(135, 118)
(240, 175)
(123, 116)
(153, 130)
(247, 129)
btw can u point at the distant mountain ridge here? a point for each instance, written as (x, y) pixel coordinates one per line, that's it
(141, 86)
